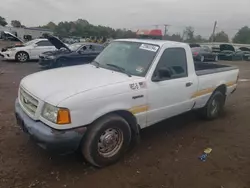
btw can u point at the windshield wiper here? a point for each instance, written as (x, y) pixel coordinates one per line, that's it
(97, 64)
(120, 69)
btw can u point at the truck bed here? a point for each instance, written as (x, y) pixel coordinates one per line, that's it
(210, 68)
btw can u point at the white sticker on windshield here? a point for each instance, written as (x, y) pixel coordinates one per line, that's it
(149, 47)
(140, 69)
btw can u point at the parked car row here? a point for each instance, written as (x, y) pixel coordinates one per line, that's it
(204, 53)
(52, 52)
(234, 56)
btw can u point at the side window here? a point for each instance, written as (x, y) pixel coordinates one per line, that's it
(44, 43)
(83, 49)
(173, 64)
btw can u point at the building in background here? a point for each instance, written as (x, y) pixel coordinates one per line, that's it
(27, 33)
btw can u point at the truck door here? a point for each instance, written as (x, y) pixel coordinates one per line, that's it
(171, 88)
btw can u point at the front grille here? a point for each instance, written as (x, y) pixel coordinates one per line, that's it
(28, 102)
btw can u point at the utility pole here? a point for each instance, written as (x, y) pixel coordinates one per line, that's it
(165, 29)
(215, 23)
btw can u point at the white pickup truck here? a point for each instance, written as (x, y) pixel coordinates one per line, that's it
(99, 108)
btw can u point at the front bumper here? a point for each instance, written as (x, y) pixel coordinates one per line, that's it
(46, 62)
(61, 141)
(7, 55)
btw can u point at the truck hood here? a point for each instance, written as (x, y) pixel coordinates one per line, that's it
(53, 86)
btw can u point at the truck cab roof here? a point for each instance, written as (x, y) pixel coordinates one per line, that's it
(159, 43)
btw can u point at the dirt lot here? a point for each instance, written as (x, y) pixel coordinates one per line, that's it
(167, 156)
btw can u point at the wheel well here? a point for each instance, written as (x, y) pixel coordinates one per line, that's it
(22, 52)
(222, 89)
(135, 127)
(131, 119)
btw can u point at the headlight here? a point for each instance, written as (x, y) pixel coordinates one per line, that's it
(11, 49)
(55, 114)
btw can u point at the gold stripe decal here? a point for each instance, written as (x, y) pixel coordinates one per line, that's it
(229, 84)
(202, 92)
(139, 109)
(210, 90)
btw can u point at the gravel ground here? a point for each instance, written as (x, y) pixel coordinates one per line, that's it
(167, 156)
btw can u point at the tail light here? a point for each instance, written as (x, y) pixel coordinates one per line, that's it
(195, 53)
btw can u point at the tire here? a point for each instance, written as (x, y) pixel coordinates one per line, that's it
(214, 106)
(106, 140)
(202, 59)
(59, 63)
(22, 57)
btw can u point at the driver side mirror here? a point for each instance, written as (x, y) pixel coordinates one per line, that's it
(35, 45)
(161, 74)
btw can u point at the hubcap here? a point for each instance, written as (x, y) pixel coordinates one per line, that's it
(110, 142)
(215, 108)
(22, 57)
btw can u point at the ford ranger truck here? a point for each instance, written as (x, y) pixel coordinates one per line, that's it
(100, 108)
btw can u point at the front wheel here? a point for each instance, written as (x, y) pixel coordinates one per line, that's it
(106, 140)
(22, 56)
(59, 63)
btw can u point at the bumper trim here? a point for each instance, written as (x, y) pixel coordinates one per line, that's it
(61, 141)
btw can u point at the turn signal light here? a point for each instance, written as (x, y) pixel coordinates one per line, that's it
(63, 116)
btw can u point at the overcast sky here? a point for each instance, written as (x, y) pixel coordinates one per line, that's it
(133, 14)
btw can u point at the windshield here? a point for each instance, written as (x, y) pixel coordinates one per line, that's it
(135, 58)
(75, 47)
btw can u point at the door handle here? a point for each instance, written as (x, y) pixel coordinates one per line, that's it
(189, 84)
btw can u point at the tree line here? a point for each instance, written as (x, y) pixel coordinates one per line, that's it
(82, 28)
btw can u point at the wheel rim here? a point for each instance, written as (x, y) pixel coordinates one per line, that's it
(110, 142)
(22, 57)
(214, 107)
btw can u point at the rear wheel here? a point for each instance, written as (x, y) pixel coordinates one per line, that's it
(22, 56)
(106, 140)
(214, 106)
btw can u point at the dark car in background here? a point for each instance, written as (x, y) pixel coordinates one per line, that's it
(234, 56)
(78, 53)
(203, 54)
(226, 55)
(241, 55)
